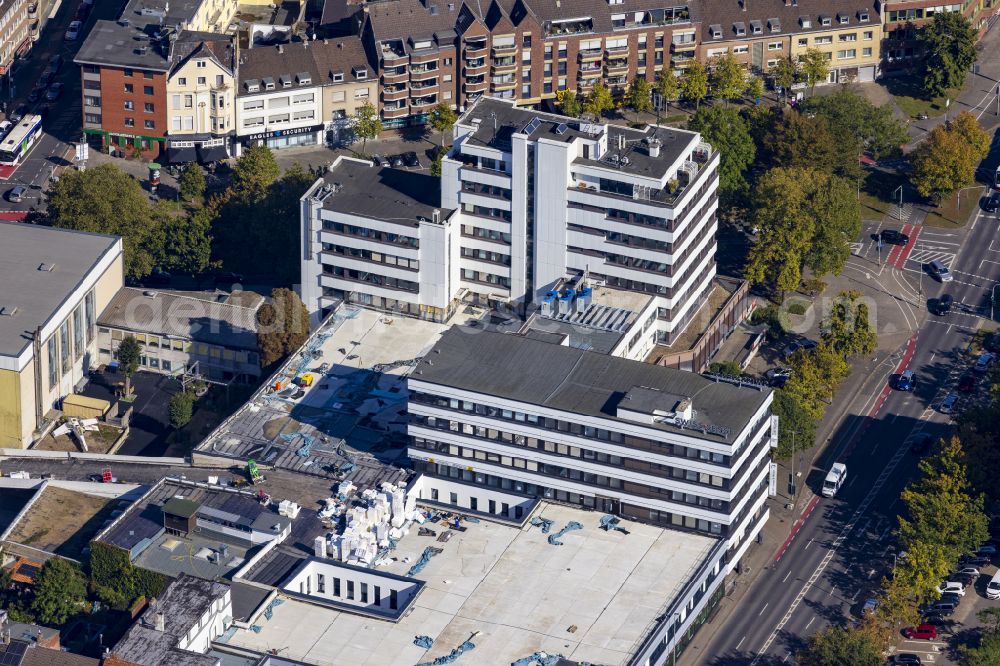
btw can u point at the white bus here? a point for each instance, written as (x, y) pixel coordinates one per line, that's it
(834, 479)
(19, 140)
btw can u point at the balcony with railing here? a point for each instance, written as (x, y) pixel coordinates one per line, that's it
(617, 50)
(616, 66)
(476, 48)
(590, 67)
(665, 16)
(395, 75)
(588, 84)
(475, 64)
(569, 27)
(424, 85)
(617, 81)
(504, 49)
(392, 51)
(390, 111)
(395, 92)
(422, 103)
(508, 63)
(423, 72)
(503, 82)
(585, 55)
(475, 84)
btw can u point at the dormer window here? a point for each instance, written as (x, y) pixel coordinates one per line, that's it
(863, 16)
(740, 28)
(304, 78)
(268, 83)
(716, 31)
(843, 19)
(805, 22)
(825, 20)
(756, 27)
(360, 73)
(253, 86)
(286, 80)
(774, 24)
(336, 77)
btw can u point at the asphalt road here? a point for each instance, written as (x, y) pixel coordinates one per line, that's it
(842, 548)
(63, 117)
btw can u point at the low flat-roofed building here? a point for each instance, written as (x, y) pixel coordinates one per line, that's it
(589, 594)
(177, 628)
(55, 283)
(178, 330)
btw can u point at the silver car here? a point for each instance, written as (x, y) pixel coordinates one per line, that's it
(948, 404)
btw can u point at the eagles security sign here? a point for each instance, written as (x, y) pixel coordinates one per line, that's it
(774, 431)
(772, 480)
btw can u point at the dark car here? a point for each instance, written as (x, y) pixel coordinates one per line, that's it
(380, 161)
(991, 204)
(906, 381)
(35, 95)
(964, 579)
(967, 384)
(922, 444)
(942, 304)
(410, 159)
(45, 79)
(977, 561)
(396, 160)
(19, 112)
(893, 237)
(907, 658)
(82, 12)
(777, 377)
(941, 608)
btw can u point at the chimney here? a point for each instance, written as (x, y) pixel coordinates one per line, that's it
(436, 216)
(654, 147)
(160, 621)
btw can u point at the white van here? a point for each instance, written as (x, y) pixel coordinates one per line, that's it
(993, 587)
(834, 479)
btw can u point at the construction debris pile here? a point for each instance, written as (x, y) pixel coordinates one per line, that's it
(370, 525)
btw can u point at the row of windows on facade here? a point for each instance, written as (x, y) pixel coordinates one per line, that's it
(652, 266)
(348, 587)
(298, 116)
(153, 343)
(592, 478)
(66, 345)
(568, 497)
(570, 427)
(427, 312)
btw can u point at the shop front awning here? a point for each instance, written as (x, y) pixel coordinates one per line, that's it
(209, 154)
(181, 154)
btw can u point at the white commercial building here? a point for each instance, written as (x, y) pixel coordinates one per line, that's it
(499, 412)
(526, 200)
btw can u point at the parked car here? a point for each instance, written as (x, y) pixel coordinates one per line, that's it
(993, 587)
(907, 658)
(940, 271)
(73, 31)
(54, 91)
(977, 560)
(410, 158)
(870, 606)
(968, 570)
(967, 383)
(55, 62)
(893, 237)
(906, 381)
(16, 194)
(796, 345)
(991, 204)
(397, 161)
(942, 304)
(965, 580)
(947, 405)
(44, 80)
(987, 550)
(942, 608)
(778, 376)
(951, 587)
(921, 632)
(5, 126)
(19, 112)
(922, 444)
(984, 362)
(380, 161)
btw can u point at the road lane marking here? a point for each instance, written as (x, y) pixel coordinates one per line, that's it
(811, 620)
(786, 576)
(762, 610)
(741, 642)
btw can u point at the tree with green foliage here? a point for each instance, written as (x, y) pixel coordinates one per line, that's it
(729, 133)
(106, 200)
(816, 374)
(60, 592)
(367, 124)
(599, 101)
(128, 356)
(639, 96)
(941, 506)
(282, 326)
(815, 67)
(667, 88)
(804, 217)
(443, 118)
(725, 368)
(180, 409)
(837, 646)
(989, 618)
(858, 124)
(191, 184)
(728, 77)
(793, 139)
(979, 432)
(949, 49)
(783, 73)
(569, 103)
(798, 427)
(694, 83)
(847, 329)
(436, 164)
(187, 243)
(254, 172)
(755, 88)
(117, 581)
(986, 653)
(946, 161)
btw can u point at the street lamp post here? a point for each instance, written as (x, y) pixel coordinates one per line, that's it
(899, 210)
(993, 300)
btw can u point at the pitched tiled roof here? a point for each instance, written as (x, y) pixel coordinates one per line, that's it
(725, 13)
(25, 571)
(318, 58)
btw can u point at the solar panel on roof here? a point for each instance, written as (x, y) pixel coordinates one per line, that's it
(532, 126)
(12, 656)
(562, 128)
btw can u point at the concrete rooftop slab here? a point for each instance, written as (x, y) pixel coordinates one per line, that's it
(592, 599)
